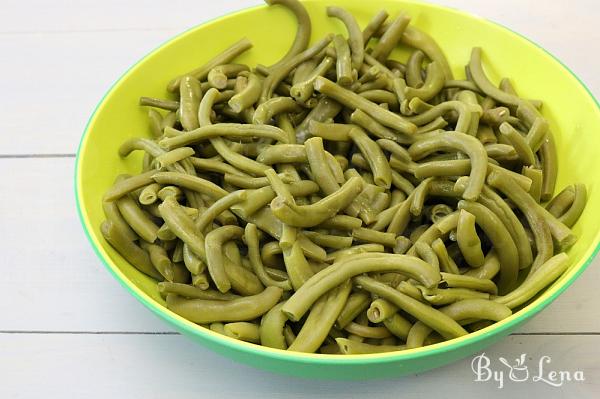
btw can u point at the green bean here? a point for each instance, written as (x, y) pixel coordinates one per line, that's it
(354, 101)
(302, 34)
(380, 310)
(490, 268)
(321, 318)
(501, 240)
(218, 76)
(434, 82)
(182, 226)
(223, 130)
(282, 70)
(470, 282)
(252, 241)
(159, 103)
(200, 280)
(329, 241)
(501, 152)
(378, 237)
(248, 95)
(428, 114)
(402, 183)
(218, 207)
(298, 268)
(171, 157)
(137, 219)
(561, 233)
(462, 84)
(214, 257)
(269, 108)
(193, 183)
(518, 142)
(191, 292)
(537, 134)
(447, 264)
(374, 25)
(367, 331)
(374, 155)
(355, 249)
(128, 249)
(437, 296)
(155, 119)
(239, 309)
(159, 259)
(192, 261)
(576, 209)
(111, 211)
(419, 195)
(549, 271)
(343, 61)
(244, 331)
(375, 128)
(536, 177)
(355, 36)
(282, 153)
(149, 194)
(441, 323)
(189, 98)
(314, 214)
(561, 202)
(468, 240)
(357, 303)
(466, 309)
(128, 184)
(462, 142)
(272, 325)
(315, 153)
(392, 35)
(485, 85)
(251, 182)
(413, 69)
(341, 222)
(226, 56)
(303, 298)
(438, 212)
(303, 90)
(381, 97)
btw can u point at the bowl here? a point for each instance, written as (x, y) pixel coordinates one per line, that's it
(572, 112)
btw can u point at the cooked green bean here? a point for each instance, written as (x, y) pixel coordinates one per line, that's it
(218, 76)
(302, 34)
(560, 203)
(272, 325)
(536, 177)
(355, 36)
(468, 240)
(549, 271)
(268, 109)
(314, 214)
(519, 143)
(447, 264)
(501, 240)
(373, 236)
(441, 323)
(137, 219)
(214, 257)
(343, 61)
(248, 95)
(413, 69)
(474, 283)
(462, 142)
(244, 331)
(159, 103)
(190, 292)
(226, 56)
(355, 101)
(193, 183)
(192, 261)
(390, 38)
(159, 259)
(128, 249)
(485, 85)
(434, 82)
(321, 282)
(223, 130)
(576, 209)
(200, 280)
(240, 309)
(279, 73)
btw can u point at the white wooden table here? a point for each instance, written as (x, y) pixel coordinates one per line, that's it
(67, 329)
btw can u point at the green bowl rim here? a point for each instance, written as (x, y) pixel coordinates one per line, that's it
(499, 329)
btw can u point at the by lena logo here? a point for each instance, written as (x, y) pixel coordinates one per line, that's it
(519, 371)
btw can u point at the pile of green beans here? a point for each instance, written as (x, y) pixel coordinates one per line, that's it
(341, 201)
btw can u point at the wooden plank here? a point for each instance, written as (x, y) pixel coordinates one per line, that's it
(59, 61)
(144, 366)
(56, 283)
